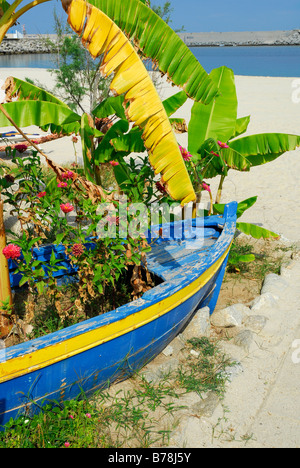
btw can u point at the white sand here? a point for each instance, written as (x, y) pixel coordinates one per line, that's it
(264, 400)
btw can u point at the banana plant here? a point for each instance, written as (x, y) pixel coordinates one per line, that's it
(215, 133)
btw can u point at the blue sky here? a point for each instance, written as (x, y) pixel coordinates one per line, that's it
(199, 15)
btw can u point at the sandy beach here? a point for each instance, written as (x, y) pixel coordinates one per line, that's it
(268, 369)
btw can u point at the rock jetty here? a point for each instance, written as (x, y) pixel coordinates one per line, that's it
(243, 38)
(25, 45)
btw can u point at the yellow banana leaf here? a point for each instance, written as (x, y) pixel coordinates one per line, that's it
(101, 35)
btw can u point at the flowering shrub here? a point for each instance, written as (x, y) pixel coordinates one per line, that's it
(100, 263)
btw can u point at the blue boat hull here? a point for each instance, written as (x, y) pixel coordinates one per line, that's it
(91, 355)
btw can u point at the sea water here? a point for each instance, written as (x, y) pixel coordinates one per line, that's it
(249, 61)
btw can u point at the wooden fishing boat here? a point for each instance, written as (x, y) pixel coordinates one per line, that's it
(110, 347)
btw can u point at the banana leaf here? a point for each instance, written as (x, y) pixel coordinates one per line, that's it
(242, 206)
(241, 126)
(161, 44)
(218, 119)
(105, 151)
(40, 113)
(247, 228)
(110, 106)
(101, 36)
(255, 231)
(132, 141)
(265, 147)
(23, 90)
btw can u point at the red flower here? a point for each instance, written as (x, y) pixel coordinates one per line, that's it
(66, 208)
(77, 250)
(74, 139)
(114, 163)
(62, 185)
(21, 148)
(11, 251)
(41, 194)
(215, 154)
(67, 175)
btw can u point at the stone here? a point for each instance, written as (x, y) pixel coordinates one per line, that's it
(244, 339)
(168, 351)
(256, 323)
(231, 316)
(273, 284)
(199, 324)
(264, 301)
(207, 406)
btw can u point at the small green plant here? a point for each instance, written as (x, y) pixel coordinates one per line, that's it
(206, 370)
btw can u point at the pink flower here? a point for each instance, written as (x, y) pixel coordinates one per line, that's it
(77, 250)
(41, 194)
(222, 145)
(185, 154)
(71, 417)
(114, 163)
(66, 208)
(215, 154)
(21, 148)
(88, 415)
(11, 251)
(68, 175)
(67, 444)
(205, 186)
(62, 185)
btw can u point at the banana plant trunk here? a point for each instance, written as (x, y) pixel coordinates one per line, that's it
(5, 289)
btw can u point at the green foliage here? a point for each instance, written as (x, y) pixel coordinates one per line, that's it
(100, 257)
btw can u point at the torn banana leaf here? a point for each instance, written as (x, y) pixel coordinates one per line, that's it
(101, 35)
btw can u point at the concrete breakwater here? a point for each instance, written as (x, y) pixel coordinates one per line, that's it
(243, 38)
(25, 46)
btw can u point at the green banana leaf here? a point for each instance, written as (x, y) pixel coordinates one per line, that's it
(173, 103)
(263, 148)
(255, 231)
(218, 119)
(241, 126)
(235, 258)
(161, 44)
(40, 113)
(242, 206)
(110, 106)
(25, 90)
(105, 151)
